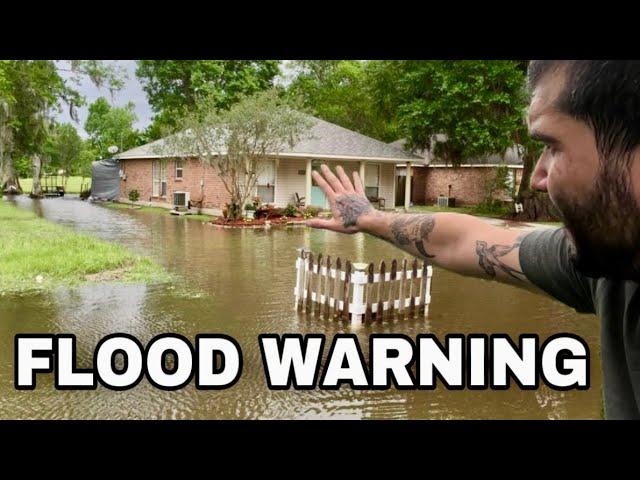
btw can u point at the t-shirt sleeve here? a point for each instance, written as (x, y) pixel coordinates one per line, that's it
(545, 261)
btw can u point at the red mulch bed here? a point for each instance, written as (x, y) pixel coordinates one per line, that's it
(259, 222)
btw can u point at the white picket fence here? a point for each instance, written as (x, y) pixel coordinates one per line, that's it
(359, 292)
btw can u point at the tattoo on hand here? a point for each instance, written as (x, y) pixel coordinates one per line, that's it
(489, 258)
(352, 207)
(414, 229)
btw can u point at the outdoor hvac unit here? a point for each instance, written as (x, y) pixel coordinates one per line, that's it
(181, 200)
(443, 202)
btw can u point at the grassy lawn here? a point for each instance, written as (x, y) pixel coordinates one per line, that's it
(467, 210)
(73, 184)
(436, 209)
(39, 255)
(158, 210)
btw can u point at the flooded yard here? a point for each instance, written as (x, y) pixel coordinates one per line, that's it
(240, 283)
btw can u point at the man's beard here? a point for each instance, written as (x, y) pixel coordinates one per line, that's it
(605, 228)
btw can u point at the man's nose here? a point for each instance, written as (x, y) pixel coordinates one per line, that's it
(539, 176)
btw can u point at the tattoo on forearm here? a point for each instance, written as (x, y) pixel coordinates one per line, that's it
(351, 207)
(489, 258)
(413, 230)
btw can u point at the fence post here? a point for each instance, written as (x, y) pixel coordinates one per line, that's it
(427, 293)
(359, 280)
(299, 269)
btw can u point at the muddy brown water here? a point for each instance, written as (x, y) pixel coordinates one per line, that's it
(240, 282)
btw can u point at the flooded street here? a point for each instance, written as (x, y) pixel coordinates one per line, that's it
(240, 283)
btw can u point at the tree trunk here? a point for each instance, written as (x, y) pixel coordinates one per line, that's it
(10, 181)
(36, 168)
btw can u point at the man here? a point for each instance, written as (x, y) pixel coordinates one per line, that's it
(587, 113)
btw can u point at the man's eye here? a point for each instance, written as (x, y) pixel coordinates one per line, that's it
(551, 149)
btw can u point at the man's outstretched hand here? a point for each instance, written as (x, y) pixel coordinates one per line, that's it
(347, 200)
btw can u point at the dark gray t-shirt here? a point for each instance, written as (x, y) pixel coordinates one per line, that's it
(544, 258)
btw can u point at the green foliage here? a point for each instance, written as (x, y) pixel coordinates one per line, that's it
(174, 87)
(22, 165)
(492, 208)
(478, 105)
(250, 206)
(107, 125)
(64, 149)
(338, 91)
(290, 210)
(134, 195)
(311, 212)
(30, 92)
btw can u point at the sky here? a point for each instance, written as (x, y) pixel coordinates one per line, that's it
(131, 92)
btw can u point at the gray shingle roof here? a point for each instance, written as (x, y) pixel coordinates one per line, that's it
(324, 140)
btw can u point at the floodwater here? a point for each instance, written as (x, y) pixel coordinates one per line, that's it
(240, 283)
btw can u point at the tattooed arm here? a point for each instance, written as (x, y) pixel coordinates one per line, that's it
(461, 243)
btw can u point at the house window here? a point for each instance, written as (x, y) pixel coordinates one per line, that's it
(179, 168)
(159, 178)
(266, 184)
(372, 181)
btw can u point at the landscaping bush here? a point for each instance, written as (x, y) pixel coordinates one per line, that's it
(290, 210)
(250, 206)
(492, 208)
(310, 212)
(134, 195)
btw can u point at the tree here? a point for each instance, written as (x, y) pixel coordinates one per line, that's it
(478, 105)
(31, 91)
(339, 91)
(64, 149)
(174, 86)
(236, 142)
(107, 125)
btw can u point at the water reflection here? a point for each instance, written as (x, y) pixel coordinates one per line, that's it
(240, 282)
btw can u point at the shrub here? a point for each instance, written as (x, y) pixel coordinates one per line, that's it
(134, 195)
(250, 206)
(290, 210)
(495, 208)
(310, 212)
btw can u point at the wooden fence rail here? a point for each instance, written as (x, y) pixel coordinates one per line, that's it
(357, 292)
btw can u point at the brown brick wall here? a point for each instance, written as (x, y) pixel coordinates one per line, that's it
(467, 183)
(138, 177)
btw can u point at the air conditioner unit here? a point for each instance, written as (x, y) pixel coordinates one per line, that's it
(446, 202)
(181, 200)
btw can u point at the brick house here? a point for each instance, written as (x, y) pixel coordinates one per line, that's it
(465, 183)
(156, 176)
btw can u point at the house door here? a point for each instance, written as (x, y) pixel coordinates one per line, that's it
(266, 182)
(318, 198)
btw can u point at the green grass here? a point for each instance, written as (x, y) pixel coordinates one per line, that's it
(468, 210)
(73, 184)
(555, 224)
(33, 247)
(158, 210)
(436, 209)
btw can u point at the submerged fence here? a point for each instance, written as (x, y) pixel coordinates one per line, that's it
(356, 291)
